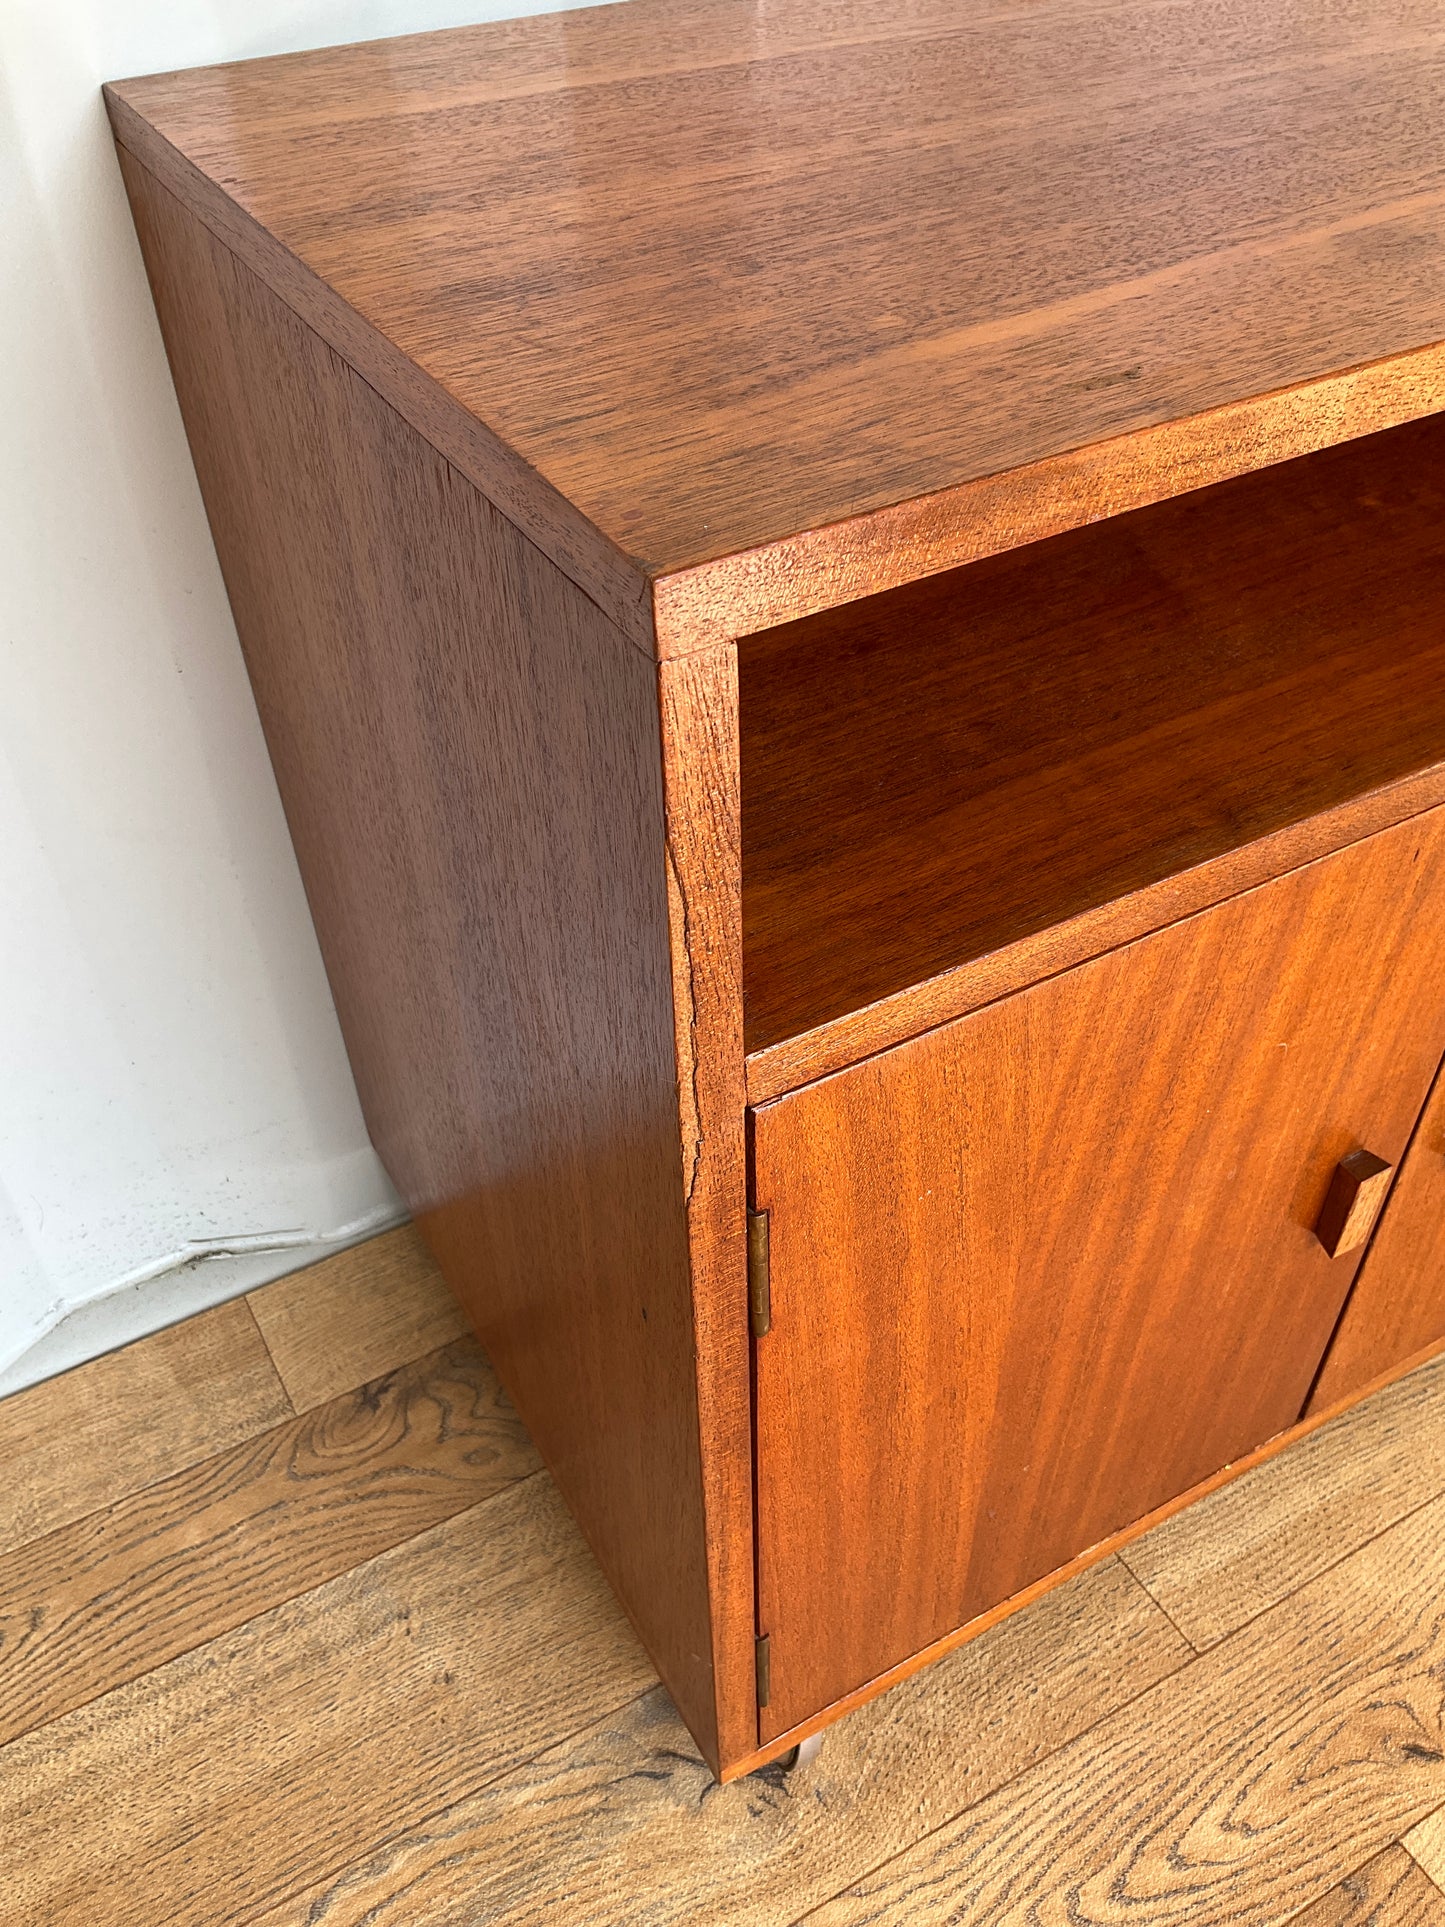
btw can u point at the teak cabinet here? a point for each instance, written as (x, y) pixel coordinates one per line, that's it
(849, 609)
(1035, 1273)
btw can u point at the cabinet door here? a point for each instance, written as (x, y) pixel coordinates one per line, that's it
(1045, 1268)
(1397, 1307)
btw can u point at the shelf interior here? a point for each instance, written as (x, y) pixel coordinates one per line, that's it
(934, 773)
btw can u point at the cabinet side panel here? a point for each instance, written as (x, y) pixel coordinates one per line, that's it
(470, 759)
(1397, 1307)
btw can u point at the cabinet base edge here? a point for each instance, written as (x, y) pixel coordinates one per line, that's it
(781, 1743)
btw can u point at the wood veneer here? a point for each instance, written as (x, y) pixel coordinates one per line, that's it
(1397, 1306)
(1016, 1264)
(761, 313)
(471, 768)
(529, 368)
(1356, 1196)
(933, 775)
(1218, 1489)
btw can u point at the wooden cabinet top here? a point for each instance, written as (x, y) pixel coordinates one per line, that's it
(746, 310)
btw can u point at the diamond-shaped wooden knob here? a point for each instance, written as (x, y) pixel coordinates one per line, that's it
(1352, 1203)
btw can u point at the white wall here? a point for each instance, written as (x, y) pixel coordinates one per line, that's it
(177, 1119)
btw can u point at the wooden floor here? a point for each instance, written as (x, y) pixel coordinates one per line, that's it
(294, 1631)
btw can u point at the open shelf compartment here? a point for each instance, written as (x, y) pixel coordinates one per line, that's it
(934, 774)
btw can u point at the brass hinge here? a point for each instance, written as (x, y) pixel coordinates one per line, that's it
(765, 1670)
(760, 1290)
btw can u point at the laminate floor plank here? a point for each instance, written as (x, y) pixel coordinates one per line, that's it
(357, 1316)
(1216, 1565)
(1244, 1787)
(1425, 1842)
(211, 1788)
(95, 1435)
(1389, 1891)
(314, 1732)
(106, 1599)
(623, 1824)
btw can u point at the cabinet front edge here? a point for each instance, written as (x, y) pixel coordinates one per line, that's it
(799, 575)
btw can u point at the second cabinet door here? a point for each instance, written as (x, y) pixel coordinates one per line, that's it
(1397, 1307)
(1041, 1270)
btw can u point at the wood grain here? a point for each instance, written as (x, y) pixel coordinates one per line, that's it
(1240, 1550)
(1398, 1302)
(1243, 1788)
(1019, 1296)
(1352, 1203)
(833, 1046)
(1389, 1891)
(932, 776)
(471, 768)
(123, 1422)
(698, 701)
(104, 1600)
(776, 311)
(516, 359)
(887, 548)
(356, 1317)
(616, 1819)
(620, 1824)
(277, 1753)
(1425, 1843)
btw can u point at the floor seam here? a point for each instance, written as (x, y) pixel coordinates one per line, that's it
(266, 1347)
(1012, 1779)
(1113, 1713)
(1155, 1601)
(1299, 1586)
(225, 1632)
(1411, 1856)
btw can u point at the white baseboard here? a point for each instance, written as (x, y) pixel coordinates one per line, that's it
(176, 1287)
